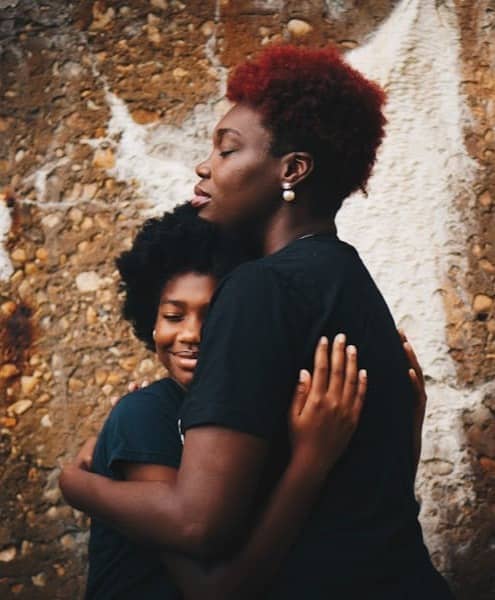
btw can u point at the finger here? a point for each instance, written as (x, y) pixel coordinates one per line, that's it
(320, 373)
(414, 380)
(145, 383)
(133, 386)
(419, 389)
(336, 383)
(300, 393)
(413, 361)
(360, 396)
(351, 376)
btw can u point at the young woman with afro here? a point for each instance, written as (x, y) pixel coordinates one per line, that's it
(302, 135)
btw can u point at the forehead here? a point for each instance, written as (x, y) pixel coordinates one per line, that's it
(189, 287)
(245, 122)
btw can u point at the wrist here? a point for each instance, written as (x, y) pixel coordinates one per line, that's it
(309, 467)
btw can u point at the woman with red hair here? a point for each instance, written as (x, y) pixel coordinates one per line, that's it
(302, 135)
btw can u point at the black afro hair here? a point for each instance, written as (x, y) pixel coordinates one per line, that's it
(176, 243)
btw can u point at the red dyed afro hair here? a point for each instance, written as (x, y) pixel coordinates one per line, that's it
(312, 101)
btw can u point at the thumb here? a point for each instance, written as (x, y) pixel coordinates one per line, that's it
(301, 392)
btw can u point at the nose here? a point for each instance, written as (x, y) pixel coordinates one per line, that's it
(190, 334)
(203, 169)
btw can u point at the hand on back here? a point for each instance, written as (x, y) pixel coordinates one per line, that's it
(326, 406)
(418, 383)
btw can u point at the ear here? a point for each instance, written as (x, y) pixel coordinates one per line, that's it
(296, 166)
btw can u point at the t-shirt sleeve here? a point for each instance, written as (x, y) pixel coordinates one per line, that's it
(143, 429)
(249, 358)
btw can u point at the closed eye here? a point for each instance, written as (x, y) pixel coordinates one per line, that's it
(225, 153)
(173, 318)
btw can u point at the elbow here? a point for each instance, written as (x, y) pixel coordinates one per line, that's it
(204, 540)
(66, 486)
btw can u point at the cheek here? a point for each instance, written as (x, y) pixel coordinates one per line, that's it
(247, 186)
(164, 334)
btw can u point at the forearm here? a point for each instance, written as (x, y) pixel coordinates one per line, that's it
(192, 577)
(145, 511)
(256, 564)
(201, 512)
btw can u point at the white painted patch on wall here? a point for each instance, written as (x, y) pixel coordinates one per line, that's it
(407, 230)
(6, 268)
(158, 158)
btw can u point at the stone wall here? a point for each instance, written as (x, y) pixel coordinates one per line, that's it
(105, 107)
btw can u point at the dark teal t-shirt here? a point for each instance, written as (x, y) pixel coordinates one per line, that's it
(142, 428)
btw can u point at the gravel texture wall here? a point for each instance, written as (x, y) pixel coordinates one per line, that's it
(105, 107)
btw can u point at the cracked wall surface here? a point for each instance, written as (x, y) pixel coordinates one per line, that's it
(105, 108)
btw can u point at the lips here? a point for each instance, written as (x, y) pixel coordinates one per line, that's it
(184, 354)
(200, 198)
(186, 363)
(185, 359)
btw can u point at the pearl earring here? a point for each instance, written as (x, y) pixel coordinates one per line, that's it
(154, 333)
(288, 194)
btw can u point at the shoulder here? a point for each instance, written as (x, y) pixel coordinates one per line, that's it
(251, 270)
(160, 399)
(142, 428)
(251, 279)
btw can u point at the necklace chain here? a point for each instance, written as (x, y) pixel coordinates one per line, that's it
(307, 235)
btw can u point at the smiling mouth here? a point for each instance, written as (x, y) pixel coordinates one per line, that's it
(189, 355)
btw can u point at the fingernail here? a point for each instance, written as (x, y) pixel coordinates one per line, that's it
(324, 340)
(301, 376)
(340, 338)
(351, 350)
(363, 374)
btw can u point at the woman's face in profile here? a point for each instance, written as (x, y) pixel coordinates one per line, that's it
(182, 309)
(240, 180)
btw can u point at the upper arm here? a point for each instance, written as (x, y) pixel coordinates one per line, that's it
(250, 356)
(238, 402)
(142, 430)
(217, 480)
(147, 472)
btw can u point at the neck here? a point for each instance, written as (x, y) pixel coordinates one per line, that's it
(289, 224)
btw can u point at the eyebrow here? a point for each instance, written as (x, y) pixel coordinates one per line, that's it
(177, 303)
(221, 132)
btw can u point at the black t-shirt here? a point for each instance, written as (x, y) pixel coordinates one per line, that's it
(142, 428)
(263, 326)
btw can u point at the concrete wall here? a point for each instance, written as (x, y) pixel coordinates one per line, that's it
(105, 107)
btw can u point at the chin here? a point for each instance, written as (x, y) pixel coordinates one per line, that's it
(208, 214)
(185, 379)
